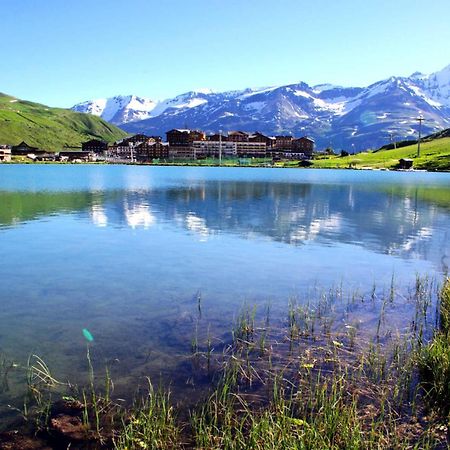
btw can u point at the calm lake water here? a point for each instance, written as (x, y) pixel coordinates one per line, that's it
(126, 251)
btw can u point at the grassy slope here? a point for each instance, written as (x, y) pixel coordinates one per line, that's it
(434, 155)
(49, 128)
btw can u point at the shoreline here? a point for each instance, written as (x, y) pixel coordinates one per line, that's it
(249, 166)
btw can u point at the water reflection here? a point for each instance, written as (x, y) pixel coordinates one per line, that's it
(138, 214)
(391, 221)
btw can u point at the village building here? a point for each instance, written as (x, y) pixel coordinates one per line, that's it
(303, 145)
(184, 137)
(181, 152)
(24, 149)
(5, 153)
(251, 149)
(150, 150)
(288, 147)
(217, 137)
(46, 156)
(237, 136)
(283, 143)
(259, 137)
(138, 138)
(94, 146)
(75, 156)
(137, 148)
(214, 149)
(405, 163)
(204, 149)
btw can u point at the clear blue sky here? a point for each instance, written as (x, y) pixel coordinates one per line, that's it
(62, 52)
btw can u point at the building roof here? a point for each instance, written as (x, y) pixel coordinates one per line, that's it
(95, 141)
(24, 144)
(306, 138)
(180, 130)
(243, 133)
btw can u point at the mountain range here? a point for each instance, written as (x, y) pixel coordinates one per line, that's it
(352, 118)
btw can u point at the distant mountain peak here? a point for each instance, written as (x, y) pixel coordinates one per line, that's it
(203, 91)
(417, 75)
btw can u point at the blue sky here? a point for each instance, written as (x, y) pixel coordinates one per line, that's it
(63, 52)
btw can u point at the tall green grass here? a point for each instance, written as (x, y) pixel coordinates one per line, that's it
(435, 359)
(151, 424)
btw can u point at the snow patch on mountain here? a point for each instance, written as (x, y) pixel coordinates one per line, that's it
(418, 91)
(249, 92)
(319, 88)
(437, 86)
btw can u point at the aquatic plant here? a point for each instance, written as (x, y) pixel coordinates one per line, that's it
(41, 385)
(151, 424)
(6, 366)
(434, 360)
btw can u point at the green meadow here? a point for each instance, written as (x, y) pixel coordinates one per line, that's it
(434, 155)
(50, 128)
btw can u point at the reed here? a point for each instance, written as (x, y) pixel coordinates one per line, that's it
(6, 366)
(151, 424)
(434, 360)
(41, 386)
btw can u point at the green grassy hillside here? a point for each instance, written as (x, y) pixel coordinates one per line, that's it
(434, 155)
(50, 128)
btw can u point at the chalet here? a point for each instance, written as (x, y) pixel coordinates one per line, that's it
(147, 151)
(24, 149)
(214, 149)
(237, 136)
(405, 163)
(259, 137)
(283, 143)
(94, 146)
(44, 157)
(217, 137)
(251, 149)
(184, 137)
(137, 139)
(5, 153)
(227, 149)
(303, 145)
(74, 155)
(139, 148)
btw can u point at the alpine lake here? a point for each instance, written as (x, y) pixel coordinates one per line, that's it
(136, 263)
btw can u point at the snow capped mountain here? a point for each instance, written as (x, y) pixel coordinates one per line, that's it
(437, 86)
(345, 117)
(119, 109)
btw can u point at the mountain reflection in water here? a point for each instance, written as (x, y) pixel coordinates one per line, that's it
(387, 220)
